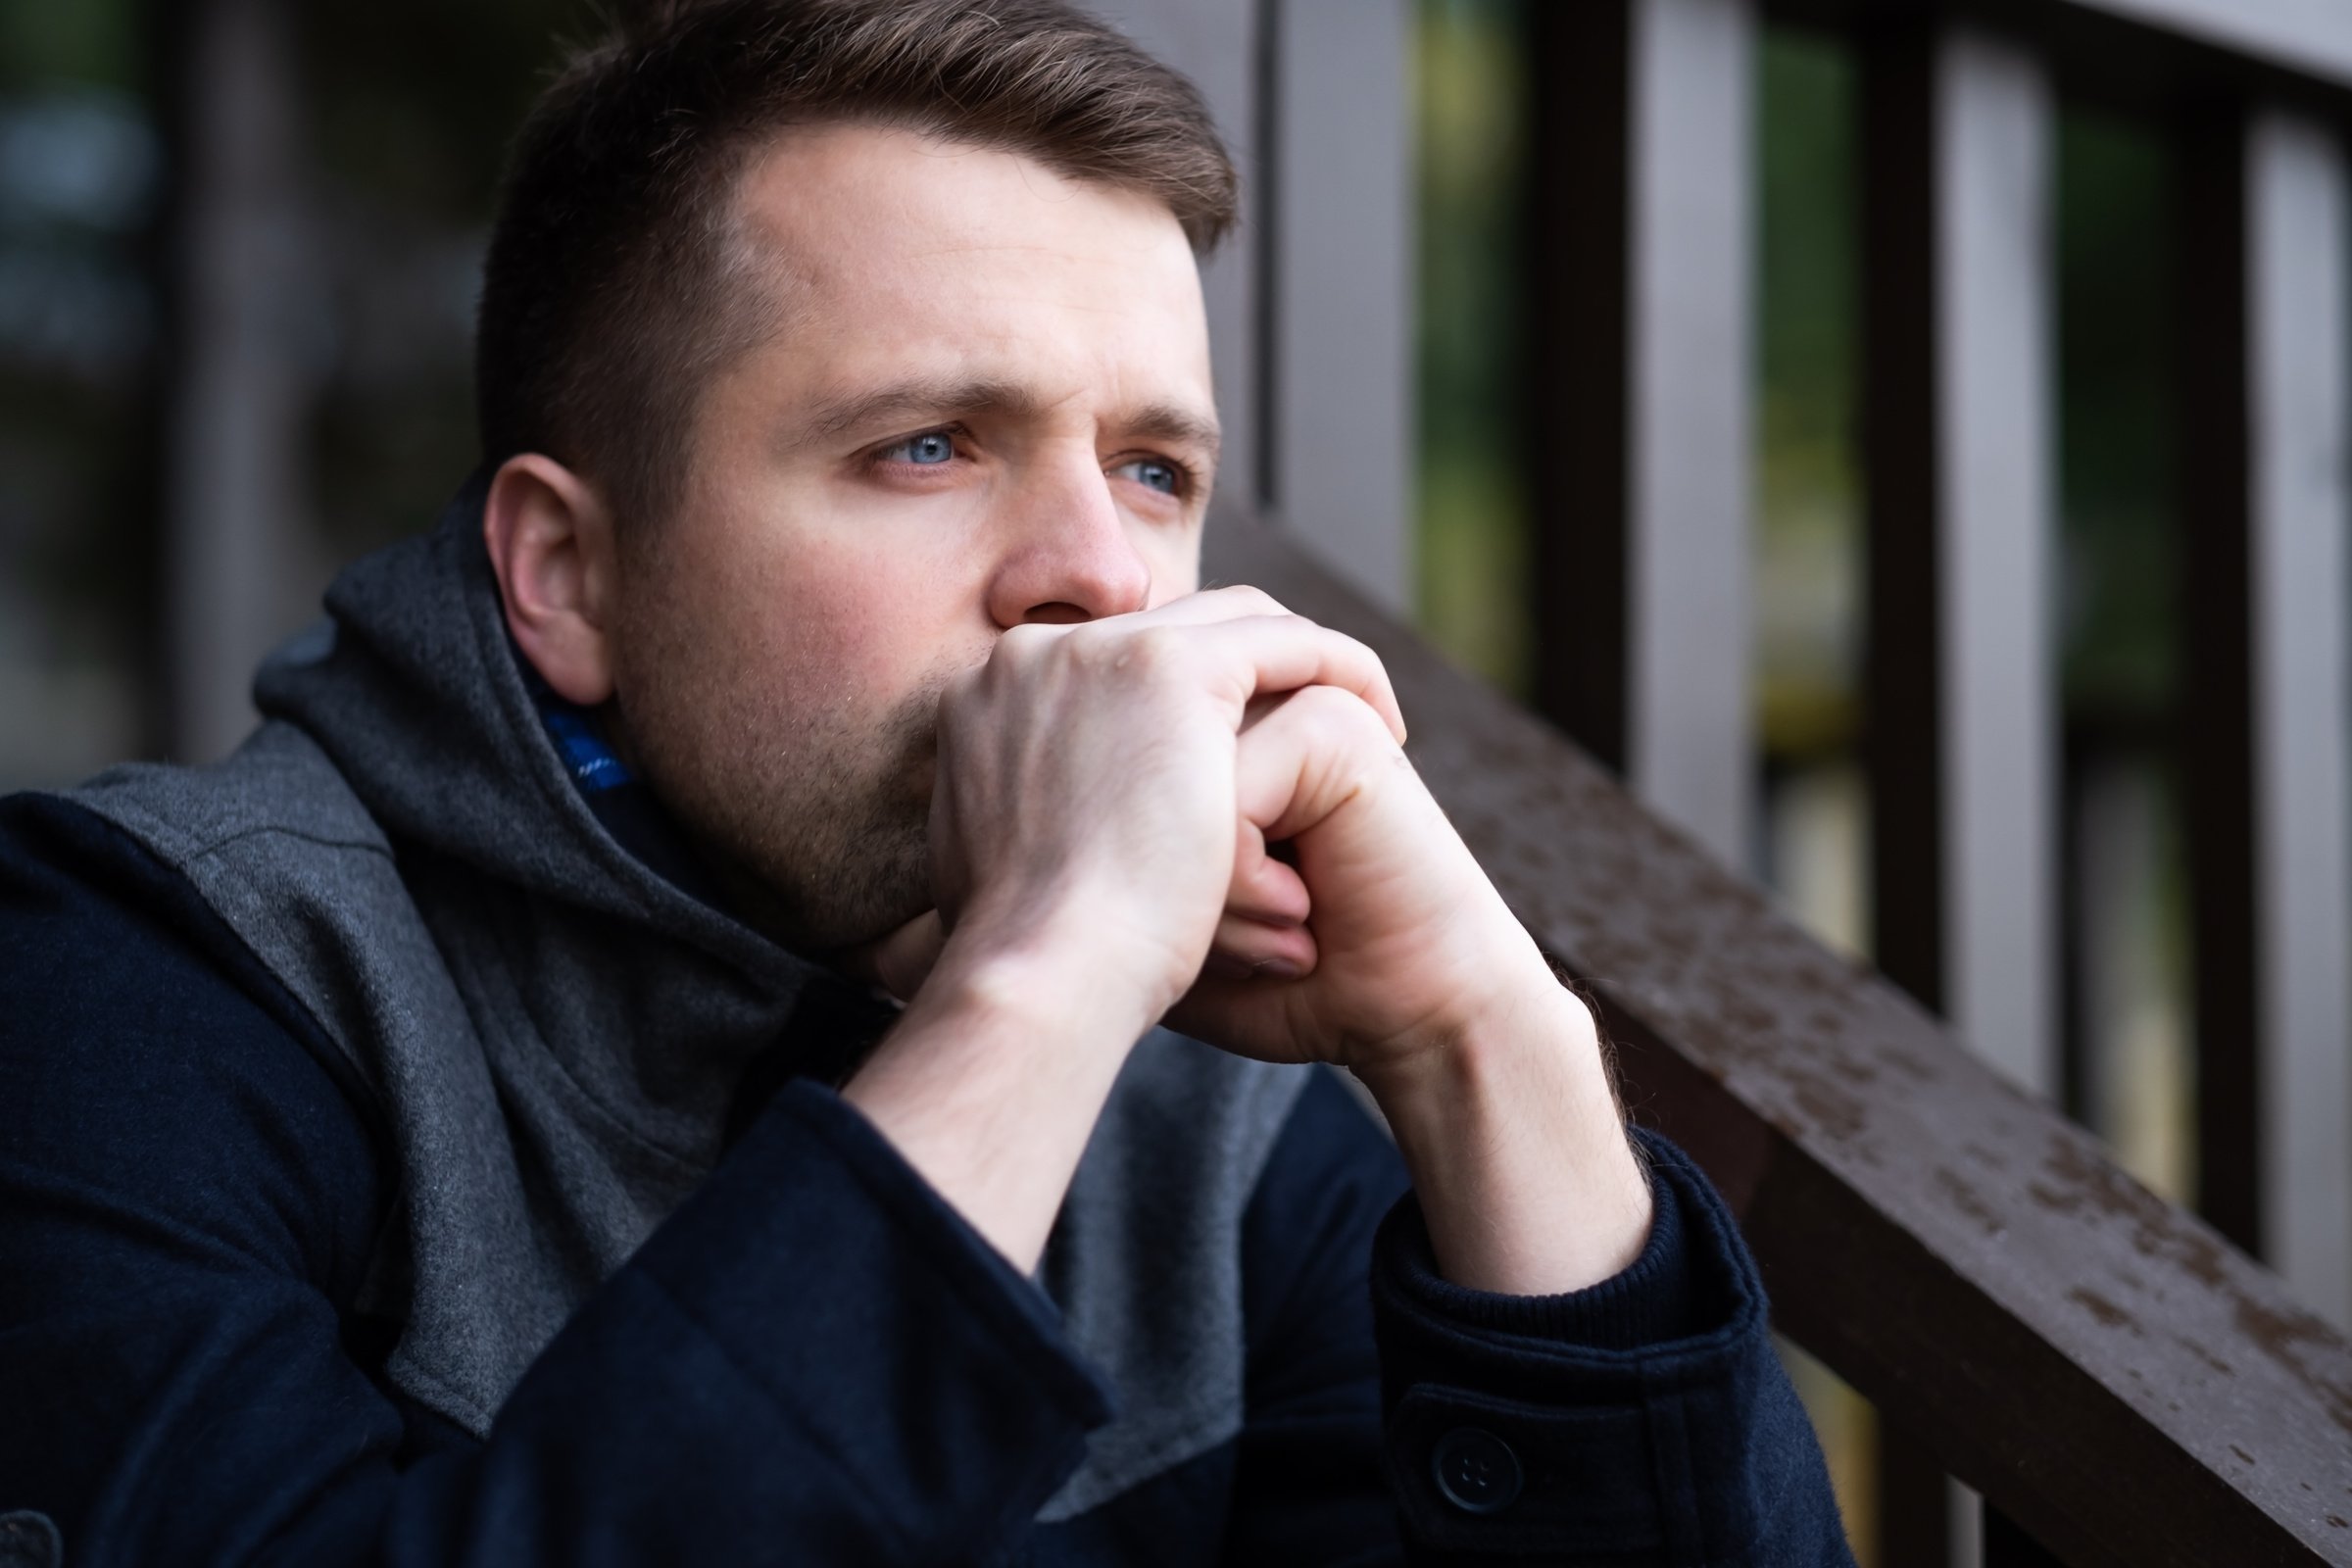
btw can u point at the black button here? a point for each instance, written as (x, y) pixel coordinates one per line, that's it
(1477, 1470)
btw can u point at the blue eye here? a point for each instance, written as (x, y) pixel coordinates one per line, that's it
(929, 449)
(1153, 475)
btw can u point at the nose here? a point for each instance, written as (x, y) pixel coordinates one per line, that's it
(1069, 556)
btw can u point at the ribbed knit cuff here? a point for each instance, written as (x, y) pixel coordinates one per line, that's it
(1682, 1286)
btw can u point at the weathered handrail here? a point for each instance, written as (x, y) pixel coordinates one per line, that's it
(2101, 1366)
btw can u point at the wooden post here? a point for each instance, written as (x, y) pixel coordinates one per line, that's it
(1997, 545)
(2264, 492)
(1962, 732)
(1577, 285)
(1218, 44)
(1640, 395)
(1338, 373)
(2302, 699)
(1956, 433)
(1692, 309)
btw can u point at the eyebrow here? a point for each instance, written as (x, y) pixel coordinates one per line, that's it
(929, 398)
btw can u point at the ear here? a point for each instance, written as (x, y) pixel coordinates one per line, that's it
(550, 535)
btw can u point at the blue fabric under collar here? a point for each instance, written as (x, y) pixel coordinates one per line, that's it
(594, 766)
(615, 796)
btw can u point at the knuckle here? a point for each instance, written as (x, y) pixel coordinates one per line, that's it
(1254, 600)
(1357, 648)
(1343, 716)
(1153, 650)
(1331, 704)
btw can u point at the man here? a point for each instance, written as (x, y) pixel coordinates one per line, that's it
(466, 1126)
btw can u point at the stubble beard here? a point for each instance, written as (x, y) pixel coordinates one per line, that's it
(819, 820)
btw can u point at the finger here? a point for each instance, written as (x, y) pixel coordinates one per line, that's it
(1263, 888)
(1247, 1014)
(1306, 759)
(1247, 950)
(1272, 653)
(1209, 605)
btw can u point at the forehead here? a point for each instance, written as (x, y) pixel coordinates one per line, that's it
(896, 251)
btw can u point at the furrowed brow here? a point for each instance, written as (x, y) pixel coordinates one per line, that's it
(904, 403)
(912, 402)
(1177, 426)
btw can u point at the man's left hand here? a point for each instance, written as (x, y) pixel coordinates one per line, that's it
(1409, 970)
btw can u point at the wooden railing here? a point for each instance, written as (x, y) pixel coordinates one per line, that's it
(1640, 302)
(2115, 1374)
(1640, 298)
(2105, 1368)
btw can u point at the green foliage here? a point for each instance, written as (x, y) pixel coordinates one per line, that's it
(1806, 247)
(1808, 489)
(48, 44)
(2115, 356)
(1472, 503)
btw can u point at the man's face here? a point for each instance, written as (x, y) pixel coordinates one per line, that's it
(989, 402)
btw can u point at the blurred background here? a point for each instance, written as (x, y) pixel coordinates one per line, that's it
(238, 254)
(2119, 600)
(2120, 557)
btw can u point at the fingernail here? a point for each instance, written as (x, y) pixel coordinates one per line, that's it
(1277, 969)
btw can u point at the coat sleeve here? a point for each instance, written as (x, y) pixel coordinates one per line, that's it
(1644, 1420)
(815, 1360)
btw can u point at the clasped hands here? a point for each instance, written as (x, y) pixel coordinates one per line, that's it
(1104, 797)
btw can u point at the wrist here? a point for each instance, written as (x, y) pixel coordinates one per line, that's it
(1517, 1146)
(1072, 948)
(992, 1082)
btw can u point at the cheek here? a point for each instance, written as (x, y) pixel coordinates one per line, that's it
(822, 626)
(1175, 559)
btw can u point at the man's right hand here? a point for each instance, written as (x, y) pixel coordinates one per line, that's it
(1085, 804)
(1087, 849)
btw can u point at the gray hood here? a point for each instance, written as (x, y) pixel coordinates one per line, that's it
(411, 689)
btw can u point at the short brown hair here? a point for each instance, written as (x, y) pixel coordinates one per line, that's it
(613, 286)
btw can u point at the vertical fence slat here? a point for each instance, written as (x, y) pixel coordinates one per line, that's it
(1901, 273)
(1957, 164)
(1576, 366)
(1216, 44)
(1641, 296)
(1997, 537)
(2215, 730)
(1957, 442)
(2264, 706)
(2302, 705)
(1690, 391)
(1341, 333)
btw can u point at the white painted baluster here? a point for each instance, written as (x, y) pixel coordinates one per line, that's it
(1691, 286)
(2296, 279)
